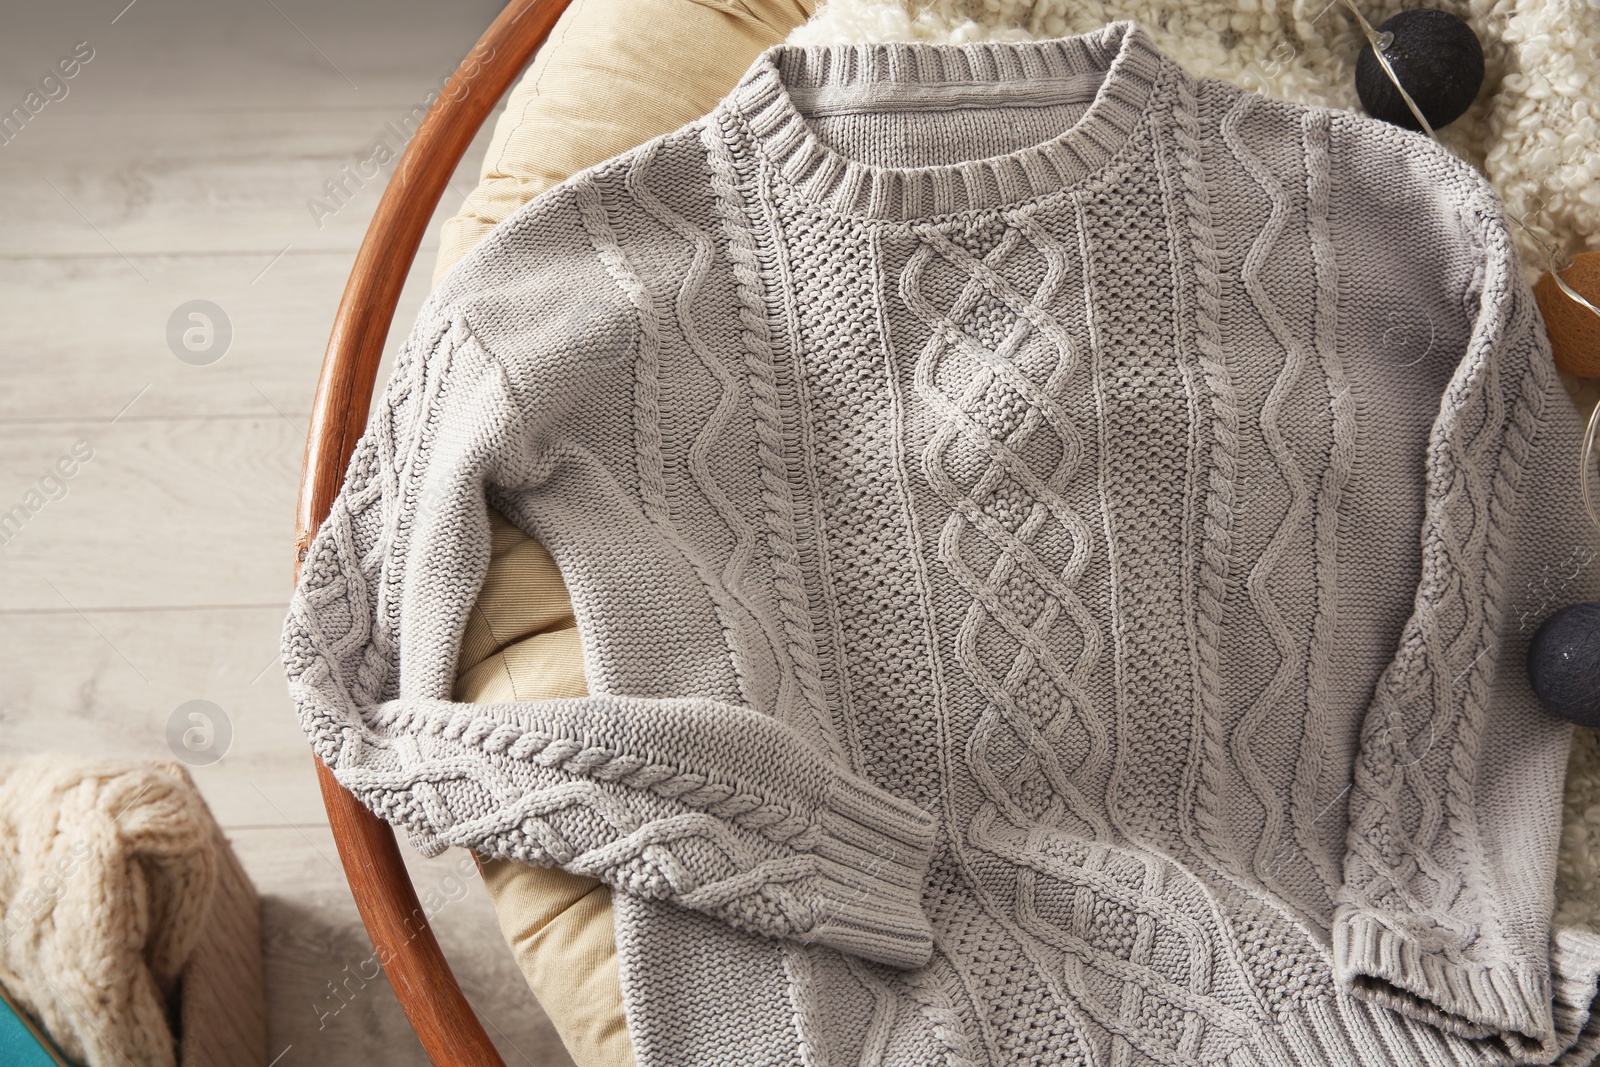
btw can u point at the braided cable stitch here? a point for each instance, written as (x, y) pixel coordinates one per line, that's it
(1030, 617)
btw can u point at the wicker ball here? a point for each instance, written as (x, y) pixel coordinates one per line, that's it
(1574, 329)
(1437, 58)
(1564, 663)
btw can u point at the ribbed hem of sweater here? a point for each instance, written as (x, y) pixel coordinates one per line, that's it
(1113, 70)
(1349, 1030)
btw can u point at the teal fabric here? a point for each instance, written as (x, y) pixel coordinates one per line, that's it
(19, 1043)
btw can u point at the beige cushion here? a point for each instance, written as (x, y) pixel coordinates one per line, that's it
(613, 74)
(522, 644)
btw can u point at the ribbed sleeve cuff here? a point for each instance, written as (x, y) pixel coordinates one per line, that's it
(872, 861)
(1472, 999)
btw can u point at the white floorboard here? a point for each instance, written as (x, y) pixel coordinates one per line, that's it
(177, 168)
(202, 181)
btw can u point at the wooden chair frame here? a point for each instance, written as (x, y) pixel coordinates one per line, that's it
(427, 990)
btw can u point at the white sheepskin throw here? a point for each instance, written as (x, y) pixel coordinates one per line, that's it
(1534, 131)
(1578, 873)
(107, 869)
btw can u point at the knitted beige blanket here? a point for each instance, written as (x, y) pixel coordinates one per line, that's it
(127, 922)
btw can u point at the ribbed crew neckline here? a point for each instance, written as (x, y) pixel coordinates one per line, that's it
(1120, 58)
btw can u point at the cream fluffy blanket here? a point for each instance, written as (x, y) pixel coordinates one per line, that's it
(1534, 131)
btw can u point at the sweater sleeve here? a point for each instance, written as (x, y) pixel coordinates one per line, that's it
(706, 803)
(1446, 908)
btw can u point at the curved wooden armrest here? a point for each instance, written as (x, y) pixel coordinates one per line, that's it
(445, 1023)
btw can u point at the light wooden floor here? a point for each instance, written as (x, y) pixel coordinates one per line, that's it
(178, 167)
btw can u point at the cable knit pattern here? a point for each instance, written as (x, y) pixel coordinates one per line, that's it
(1042, 527)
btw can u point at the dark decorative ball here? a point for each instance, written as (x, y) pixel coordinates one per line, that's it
(1437, 58)
(1564, 663)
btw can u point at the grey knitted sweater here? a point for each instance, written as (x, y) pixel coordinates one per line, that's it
(1054, 541)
